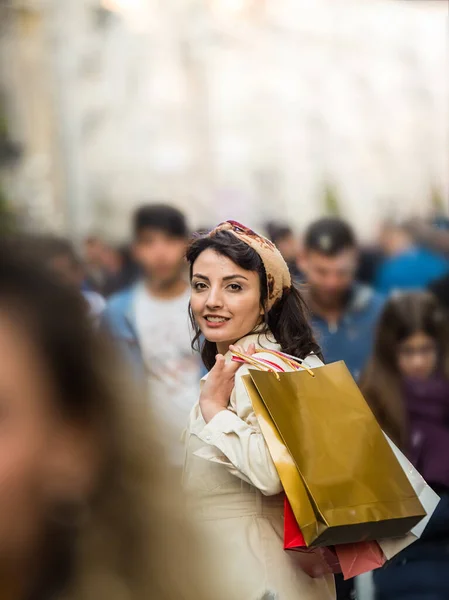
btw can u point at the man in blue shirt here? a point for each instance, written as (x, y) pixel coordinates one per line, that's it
(344, 313)
(408, 266)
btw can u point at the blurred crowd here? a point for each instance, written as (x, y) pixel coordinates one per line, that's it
(381, 309)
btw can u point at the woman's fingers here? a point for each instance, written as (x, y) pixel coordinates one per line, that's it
(251, 349)
(223, 368)
(232, 367)
(219, 363)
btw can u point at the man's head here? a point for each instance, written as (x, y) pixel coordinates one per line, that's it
(395, 237)
(59, 255)
(93, 250)
(284, 238)
(160, 241)
(329, 261)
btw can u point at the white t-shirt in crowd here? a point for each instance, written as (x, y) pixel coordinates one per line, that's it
(96, 304)
(173, 369)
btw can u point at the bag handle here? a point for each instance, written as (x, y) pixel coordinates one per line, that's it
(294, 363)
(268, 366)
(261, 365)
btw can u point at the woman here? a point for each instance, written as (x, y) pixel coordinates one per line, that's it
(242, 295)
(407, 386)
(85, 509)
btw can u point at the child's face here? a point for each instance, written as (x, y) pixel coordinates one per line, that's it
(418, 356)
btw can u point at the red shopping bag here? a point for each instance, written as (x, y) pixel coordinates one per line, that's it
(316, 562)
(359, 558)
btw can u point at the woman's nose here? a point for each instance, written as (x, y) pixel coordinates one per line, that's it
(214, 299)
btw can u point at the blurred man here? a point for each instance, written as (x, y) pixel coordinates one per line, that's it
(150, 319)
(433, 235)
(59, 254)
(344, 312)
(109, 268)
(287, 242)
(93, 252)
(407, 266)
(121, 270)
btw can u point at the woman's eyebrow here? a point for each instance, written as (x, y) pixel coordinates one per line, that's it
(227, 278)
(199, 276)
(236, 276)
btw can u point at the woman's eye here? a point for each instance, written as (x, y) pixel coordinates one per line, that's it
(235, 287)
(199, 285)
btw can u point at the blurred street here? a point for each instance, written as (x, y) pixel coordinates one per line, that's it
(129, 129)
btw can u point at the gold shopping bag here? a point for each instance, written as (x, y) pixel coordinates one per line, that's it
(293, 485)
(354, 483)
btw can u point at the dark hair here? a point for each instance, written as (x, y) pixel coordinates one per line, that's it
(160, 217)
(329, 236)
(278, 232)
(287, 321)
(131, 505)
(404, 315)
(48, 247)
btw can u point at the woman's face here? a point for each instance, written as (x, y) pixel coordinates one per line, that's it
(418, 356)
(225, 299)
(40, 455)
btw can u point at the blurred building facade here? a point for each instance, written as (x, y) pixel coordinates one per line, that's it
(251, 109)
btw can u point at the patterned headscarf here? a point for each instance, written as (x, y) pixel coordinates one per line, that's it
(278, 275)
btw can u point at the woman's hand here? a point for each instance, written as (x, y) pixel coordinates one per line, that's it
(219, 384)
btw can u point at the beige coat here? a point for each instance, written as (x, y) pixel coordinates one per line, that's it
(236, 496)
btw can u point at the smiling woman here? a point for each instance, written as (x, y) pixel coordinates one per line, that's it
(225, 299)
(241, 277)
(242, 295)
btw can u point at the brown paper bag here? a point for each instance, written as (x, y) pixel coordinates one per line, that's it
(354, 483)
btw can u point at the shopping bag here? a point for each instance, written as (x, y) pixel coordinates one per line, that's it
(428, 498)
(293, 538)
(359, 558)
(292, 483)
(356, 487)
(316, 562)
(350, 559)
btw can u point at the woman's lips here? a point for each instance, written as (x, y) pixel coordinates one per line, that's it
(216, 322)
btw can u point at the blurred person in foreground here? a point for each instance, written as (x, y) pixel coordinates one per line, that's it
(407, 386)
(242, 293)
(286, 241)
(87, 508)
(408, 266)
(59, 255)
(149, 319)
(344, 311)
